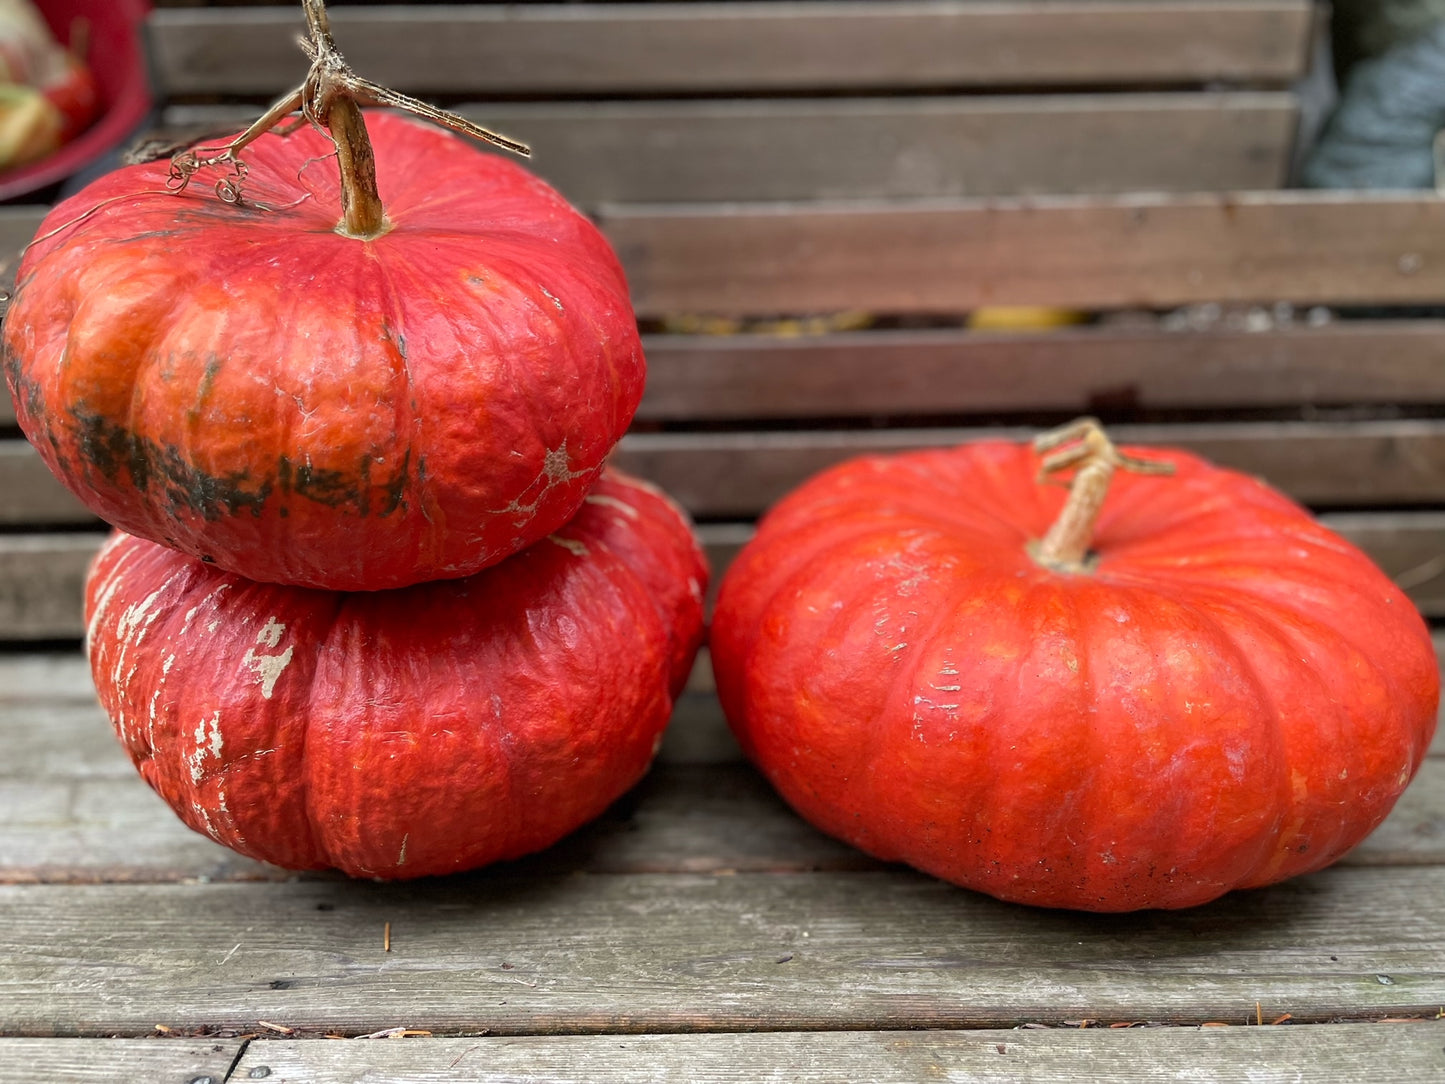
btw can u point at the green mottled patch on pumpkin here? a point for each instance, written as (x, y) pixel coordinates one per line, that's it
(119, 454)
(337, 489)
(208, 380)
(331, 488)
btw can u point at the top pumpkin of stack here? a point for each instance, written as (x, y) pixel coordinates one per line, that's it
(306, 386)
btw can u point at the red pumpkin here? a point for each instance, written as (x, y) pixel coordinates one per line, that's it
(1218, 693)
(251, 385)
(403, 733)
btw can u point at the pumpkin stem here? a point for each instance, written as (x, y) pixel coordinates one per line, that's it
(1083, 447)
(330, 99)
(325, 101)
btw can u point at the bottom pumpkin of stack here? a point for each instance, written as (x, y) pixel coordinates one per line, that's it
(405, 733)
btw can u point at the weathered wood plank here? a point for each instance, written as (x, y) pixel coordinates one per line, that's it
(693, 47)
(73, 809)
(895, 148)
(921, 373)
(1410, 547)
(679, 952)
(708, 818)
(29, 493)
(1085, 252)
(1326, 1054)
(738, 474)
(104, 1061)
(17, 226)
(42, 584)
(42, 576)
(680, 819)
(48, 677)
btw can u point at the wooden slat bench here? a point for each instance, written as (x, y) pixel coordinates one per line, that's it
(837, 185)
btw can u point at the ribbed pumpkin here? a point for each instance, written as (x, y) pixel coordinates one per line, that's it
(403, 733)
(1203, 689)
(267, 386)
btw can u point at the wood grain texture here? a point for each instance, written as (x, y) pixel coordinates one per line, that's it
(42, 584)
(42, 576)
(738, 474)
(48, 677)
(29, 493)
(105, 1061)
(678, 952)
(1082, 252)
(72, 809)
(18, 224)
(1338, 1054)
(1410, 547)
(893, 148)
(919, 373)
(1092, 369)
(682, 818)
(697, 47)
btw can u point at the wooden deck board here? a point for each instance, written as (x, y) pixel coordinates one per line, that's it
(894, 148)
(684, 952)
(692, 378)
(677, 47)
(80, 1061)
(42, 576)
(1340, 1054)
(1091, 252)
(1132, 251)
(680, 819)
(1336, 1054)
(923, 373)
(72, 809)
(699, 903)
(722, 475)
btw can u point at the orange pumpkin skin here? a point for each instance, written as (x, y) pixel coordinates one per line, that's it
(249, 386)
(403, 733)
(1232, 696)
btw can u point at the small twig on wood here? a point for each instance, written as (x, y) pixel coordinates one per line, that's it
(386, 938)
(1282, 1019)
(279, 1029)
(396, 1033)
(463, 1054)
(1258, 1015)
(1421, 574)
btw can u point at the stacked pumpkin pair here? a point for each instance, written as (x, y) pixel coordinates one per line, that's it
(378, 605)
